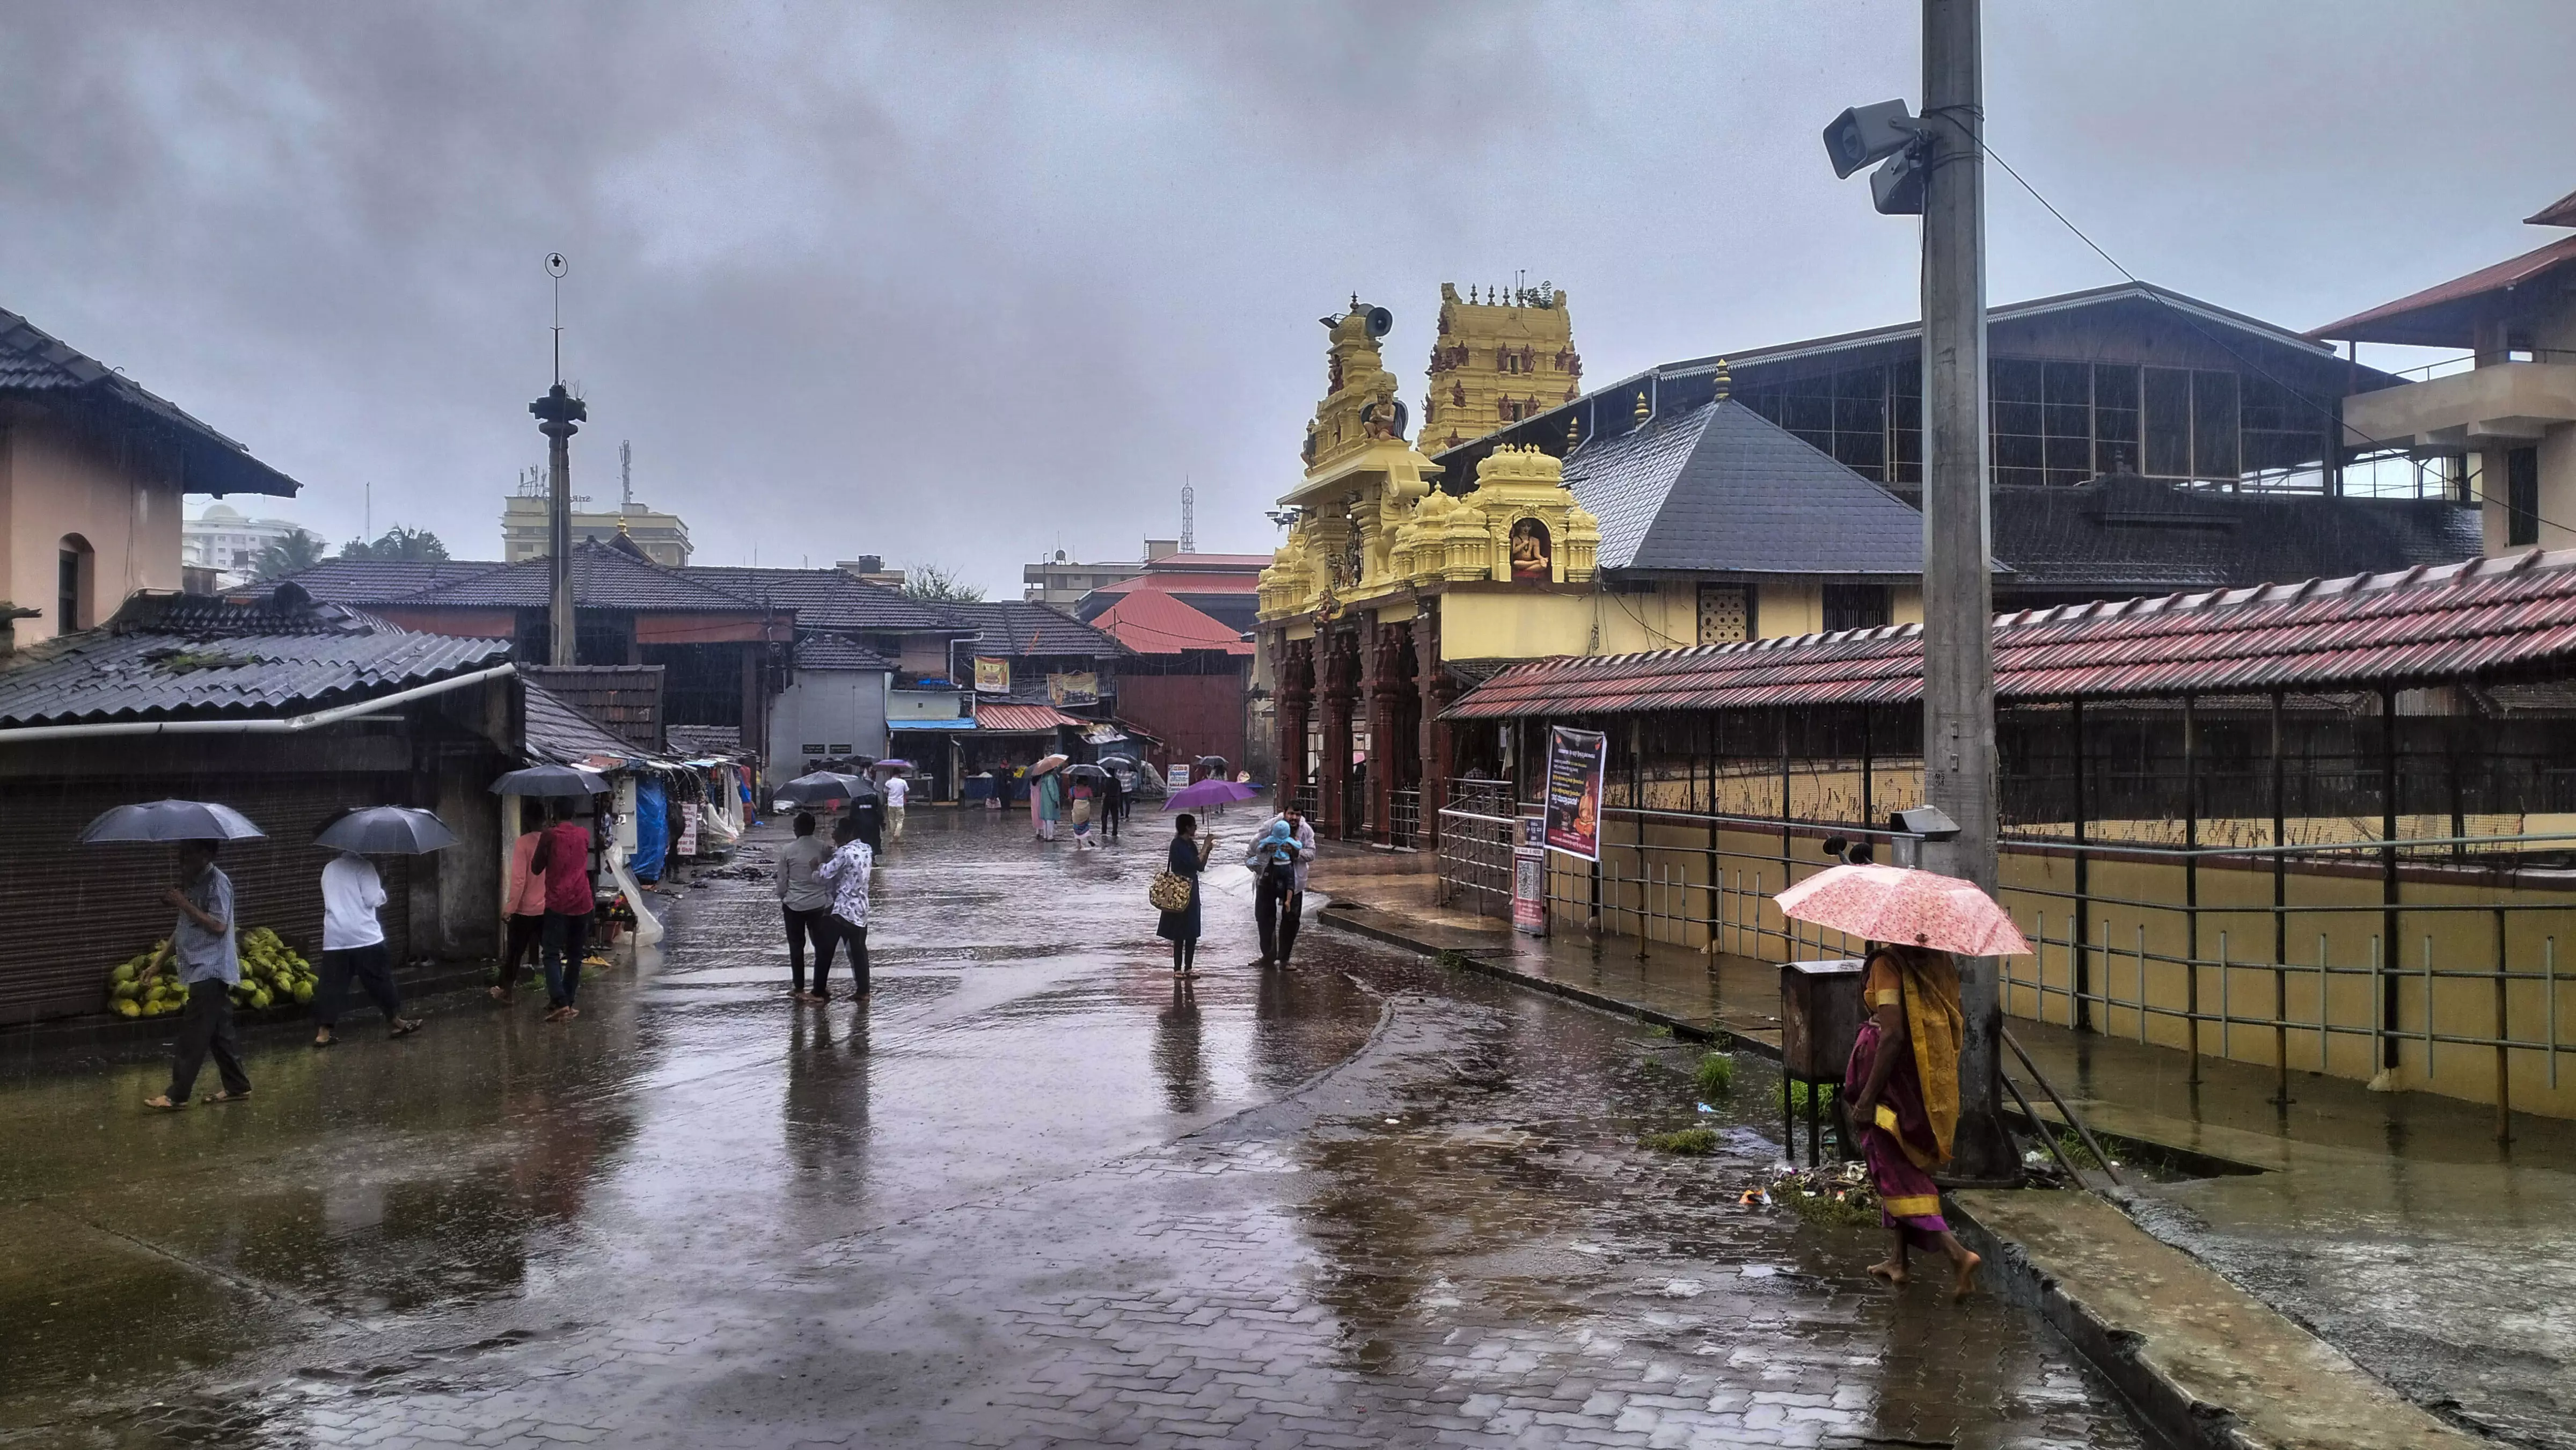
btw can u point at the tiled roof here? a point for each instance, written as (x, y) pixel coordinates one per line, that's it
(626, 700)
(2127, 535)
(554, 730)
(1028, 627)
(2442, 315)
(1153, 623)
(998, 716)
(698, 742)
(31, 361)
(2478, 620)
(827, 599)
(602, 578)
(1721, 489)
(384, 581)
(837, 652)
(184, 657)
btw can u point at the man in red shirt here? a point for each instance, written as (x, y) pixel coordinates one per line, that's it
(563, 858)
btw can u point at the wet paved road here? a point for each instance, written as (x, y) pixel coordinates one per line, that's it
(1030, 1196)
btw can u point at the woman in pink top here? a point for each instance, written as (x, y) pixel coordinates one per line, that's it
(527, 913)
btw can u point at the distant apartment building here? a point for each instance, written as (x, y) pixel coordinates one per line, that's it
(1063, 580)
(664, 538)
(229, 542)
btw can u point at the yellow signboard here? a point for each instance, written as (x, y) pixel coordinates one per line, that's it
(992, 677)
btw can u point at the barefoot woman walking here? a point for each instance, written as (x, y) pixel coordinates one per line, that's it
(1902, 1091)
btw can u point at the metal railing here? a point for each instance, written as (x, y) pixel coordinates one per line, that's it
(1404, 818)
(2195, 962)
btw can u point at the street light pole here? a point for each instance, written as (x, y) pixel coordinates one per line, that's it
(559, 416)
(1958, 596)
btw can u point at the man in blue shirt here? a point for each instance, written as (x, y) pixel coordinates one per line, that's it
(201, 944)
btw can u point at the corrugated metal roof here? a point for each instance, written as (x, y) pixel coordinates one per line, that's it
(998, 716)
(2463, 621)
(2435, 317)
(177, 657)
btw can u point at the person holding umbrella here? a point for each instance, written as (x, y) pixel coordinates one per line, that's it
(1084, 783)
(202, 946)
(897, 791)
(1180, 925)
(848, 871)
(1901, 1086)
(1113, 802)
(353, 940)
(1046, 795)
(806, 899)
(563, 857)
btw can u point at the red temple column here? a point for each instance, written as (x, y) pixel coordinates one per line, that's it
(1337, 680)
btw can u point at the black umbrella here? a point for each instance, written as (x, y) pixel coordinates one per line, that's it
(822, 788)
(1213, 765)
(1085, 772)
(386, 830)
(171, 821)
(552, 780)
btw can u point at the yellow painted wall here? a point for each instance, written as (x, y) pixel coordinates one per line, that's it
(1662, 893)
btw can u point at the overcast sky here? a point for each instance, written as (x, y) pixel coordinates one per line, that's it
(961, 283)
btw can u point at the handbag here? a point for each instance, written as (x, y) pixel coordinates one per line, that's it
(1170, 891)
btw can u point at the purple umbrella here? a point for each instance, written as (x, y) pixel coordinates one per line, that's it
(1208, 793)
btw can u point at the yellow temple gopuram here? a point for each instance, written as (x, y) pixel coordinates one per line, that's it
(1403, 579)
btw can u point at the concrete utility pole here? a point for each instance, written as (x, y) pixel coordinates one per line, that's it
(1958, 593)
(559, 416)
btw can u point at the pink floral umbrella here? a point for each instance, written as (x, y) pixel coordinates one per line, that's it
(1909, 908)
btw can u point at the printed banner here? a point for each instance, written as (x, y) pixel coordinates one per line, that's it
(1529, 877)
(992, 677)
(1577, 761)
(1074, 689)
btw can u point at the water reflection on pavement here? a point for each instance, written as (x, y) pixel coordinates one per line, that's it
(1033, 1192)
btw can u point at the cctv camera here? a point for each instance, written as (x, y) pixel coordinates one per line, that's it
(1865, 134)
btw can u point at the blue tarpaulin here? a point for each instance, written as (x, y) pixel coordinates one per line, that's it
(652, 830)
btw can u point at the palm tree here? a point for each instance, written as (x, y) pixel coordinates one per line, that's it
(293, 554)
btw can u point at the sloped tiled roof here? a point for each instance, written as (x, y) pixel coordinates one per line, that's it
(32, 361)
(827, 599)
(2126, 535)
(1153, 623)
(384, 581)
(1028, 627)
(602, 578)
(701, 741)
(184, 657)
(1721, 489)
(554, 730)
(837, 652)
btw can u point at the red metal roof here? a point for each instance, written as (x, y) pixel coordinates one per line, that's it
(1023, 717)
(2436, 316)
(2464, 621)
(2559, 213)
(1151, 622)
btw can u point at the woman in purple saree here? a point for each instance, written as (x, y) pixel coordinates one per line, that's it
(1901, 1093)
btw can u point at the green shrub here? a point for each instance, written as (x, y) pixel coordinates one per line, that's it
(1824, 1093)
(1692, 1142)
(1716, 1075)
(1451, 958)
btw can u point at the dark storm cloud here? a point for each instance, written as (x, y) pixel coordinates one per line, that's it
(958, 282)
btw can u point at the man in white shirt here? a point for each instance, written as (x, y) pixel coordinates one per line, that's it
(353, 945)
(897, 791)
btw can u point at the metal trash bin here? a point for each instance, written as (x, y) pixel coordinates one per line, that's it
(1820, 1017)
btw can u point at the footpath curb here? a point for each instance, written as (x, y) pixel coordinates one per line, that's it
(2203, 1364)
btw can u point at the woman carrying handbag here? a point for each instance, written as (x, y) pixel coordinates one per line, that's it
(1176, 893)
